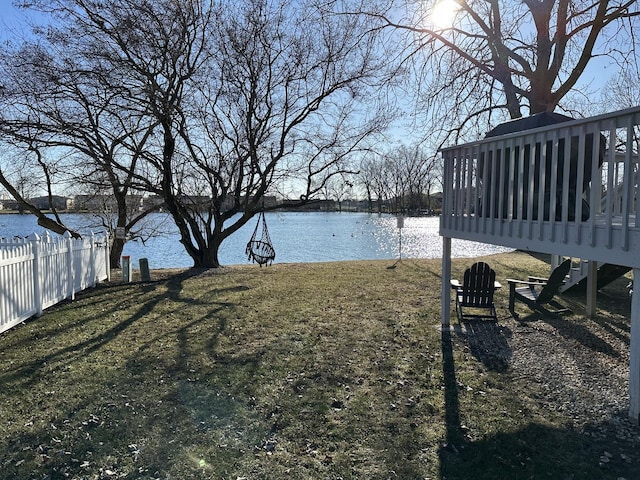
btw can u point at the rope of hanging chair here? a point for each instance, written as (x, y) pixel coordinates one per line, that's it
(260, 250)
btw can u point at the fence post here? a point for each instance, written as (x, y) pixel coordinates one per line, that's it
(92, 267)
(107, 254)
(37, 284)
(71, 284)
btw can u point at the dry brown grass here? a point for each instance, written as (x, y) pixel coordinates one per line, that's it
(312, 371)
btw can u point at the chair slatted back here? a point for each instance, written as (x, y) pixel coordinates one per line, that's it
(478, 286)
(554, 282)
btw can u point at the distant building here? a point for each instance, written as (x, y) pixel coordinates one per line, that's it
(57, 201)
(153, 201)
(105, 203)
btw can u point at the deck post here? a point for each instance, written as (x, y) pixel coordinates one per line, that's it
(634, 366)
(592, 287)
(446, 280)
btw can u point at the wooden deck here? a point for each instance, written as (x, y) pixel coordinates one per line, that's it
(569, 189)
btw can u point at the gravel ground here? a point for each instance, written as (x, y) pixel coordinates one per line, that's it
(580, 367)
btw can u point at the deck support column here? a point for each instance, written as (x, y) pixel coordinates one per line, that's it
(592, 287)
(446, 280)
(634, 367)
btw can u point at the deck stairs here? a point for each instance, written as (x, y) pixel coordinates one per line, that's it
(577, 279)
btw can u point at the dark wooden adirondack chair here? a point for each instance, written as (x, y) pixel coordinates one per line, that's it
(537, 293)
(476, 292)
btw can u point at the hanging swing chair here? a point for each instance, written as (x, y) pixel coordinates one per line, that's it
(259, 249)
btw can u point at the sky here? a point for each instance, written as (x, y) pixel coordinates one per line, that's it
(10, 18)
(13, 21)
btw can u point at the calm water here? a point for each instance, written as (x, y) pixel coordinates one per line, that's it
(296, 236)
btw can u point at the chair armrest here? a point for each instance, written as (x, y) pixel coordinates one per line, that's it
(525, 282)
(456, 284)
(537, 279)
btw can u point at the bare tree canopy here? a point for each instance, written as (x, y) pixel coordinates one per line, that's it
(400, 179)
(211, 105)
(477, 57)
(69, 115)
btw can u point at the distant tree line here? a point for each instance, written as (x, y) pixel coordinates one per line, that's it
(402, 180)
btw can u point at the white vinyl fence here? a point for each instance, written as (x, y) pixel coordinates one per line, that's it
(38, 272)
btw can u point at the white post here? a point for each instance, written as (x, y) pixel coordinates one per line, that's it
(92, 267)
(107, 254)
(592, 288)
(400, 221)
(446, 280)
(37, 285)
(70, 270)
(634, 362)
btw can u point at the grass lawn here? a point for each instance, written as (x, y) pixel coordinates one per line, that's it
(305, 371)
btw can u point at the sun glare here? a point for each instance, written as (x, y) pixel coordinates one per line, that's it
(443, 13)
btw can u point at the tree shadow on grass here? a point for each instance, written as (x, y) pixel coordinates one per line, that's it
(538, 451)
(535, 451)
(156, 384)
(27, 372)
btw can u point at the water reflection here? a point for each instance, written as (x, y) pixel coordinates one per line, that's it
(297, 237)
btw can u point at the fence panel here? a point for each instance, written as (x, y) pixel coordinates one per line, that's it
(39, 272)
(16, 284)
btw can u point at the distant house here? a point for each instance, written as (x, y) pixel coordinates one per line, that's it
(153, 201)
(436, 199)
(105, 203)
(10, 204)
(58, 202)
(267, 201)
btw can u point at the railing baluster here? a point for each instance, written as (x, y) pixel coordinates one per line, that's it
(542, 186)
(635, 147)
(457, 208)
(553, 204)
(486, 180)
(627, 191)
(518, 187)
(470, 188)
(566, 156)
(595, 189)
(530, 182)
(580, 179)
(612, 184)
(501, 163)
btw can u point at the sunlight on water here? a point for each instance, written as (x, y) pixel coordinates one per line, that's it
(296, 236)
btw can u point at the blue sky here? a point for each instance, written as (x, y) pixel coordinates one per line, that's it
(13, 21)
(8, 13)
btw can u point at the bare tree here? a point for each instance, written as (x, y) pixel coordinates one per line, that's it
(240, 98)
(338, 188)
(66, 110)
(503, 56)
(403, 177)
(367, 179)
(623, 91)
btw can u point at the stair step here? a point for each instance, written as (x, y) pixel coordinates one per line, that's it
(607, 273)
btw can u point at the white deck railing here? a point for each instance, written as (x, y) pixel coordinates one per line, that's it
(38, 272)
(568, 189)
